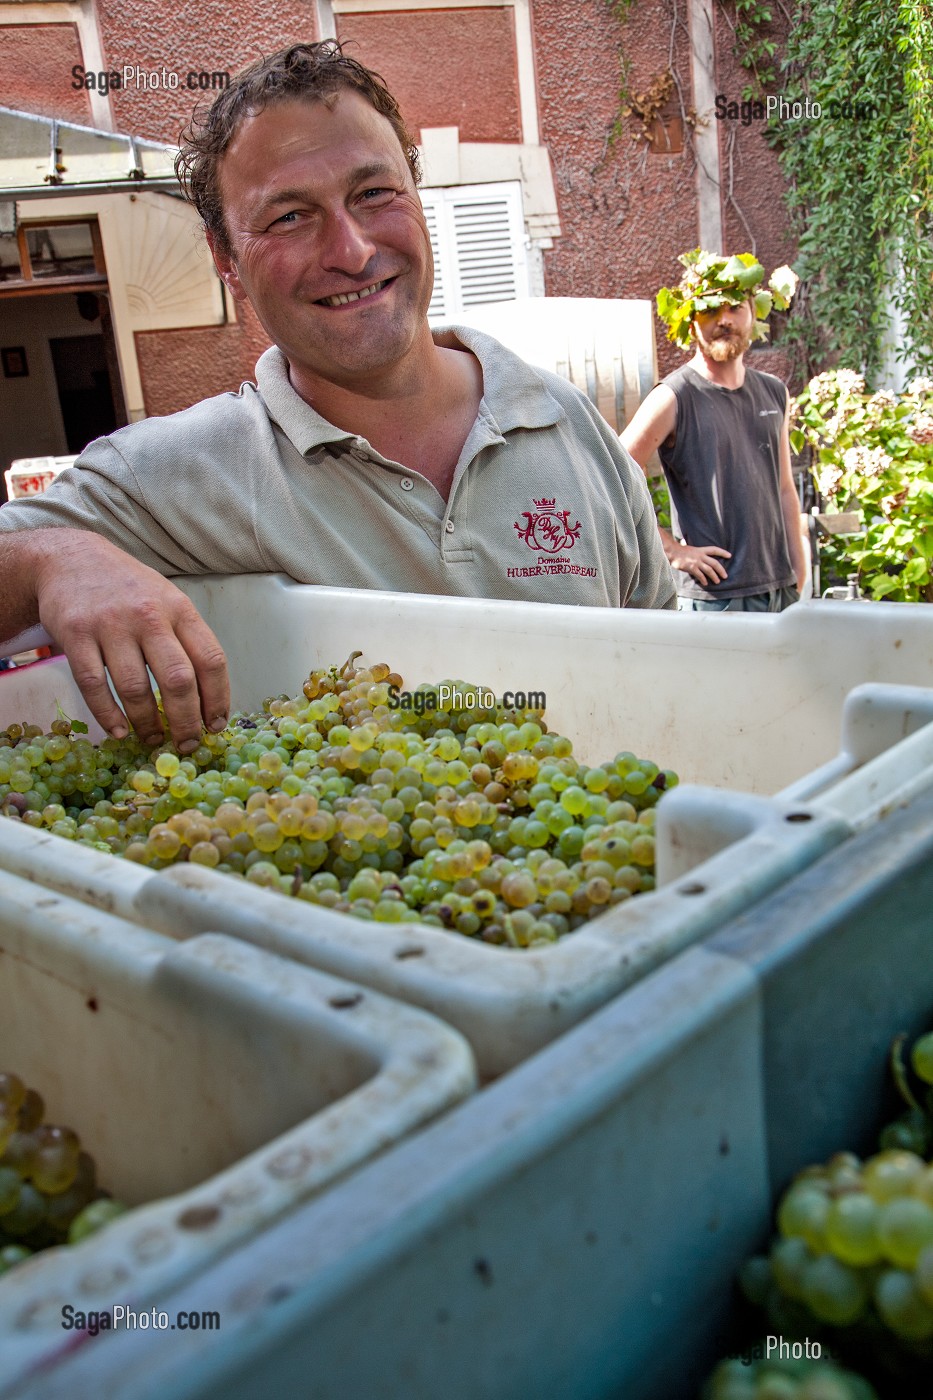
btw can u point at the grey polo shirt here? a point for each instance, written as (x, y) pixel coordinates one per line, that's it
(545, 505)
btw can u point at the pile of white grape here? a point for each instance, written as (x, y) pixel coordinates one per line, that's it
(473, 819)
(48, 1187)
(785, 1380)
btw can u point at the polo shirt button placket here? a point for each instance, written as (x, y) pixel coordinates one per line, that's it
(449, 527)
(407, 484)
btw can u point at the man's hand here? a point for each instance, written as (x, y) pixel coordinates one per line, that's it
(104, 608)
(701, 562)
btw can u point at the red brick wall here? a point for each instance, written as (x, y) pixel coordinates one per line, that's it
(178, 368)
(625, 214)
(35, 71)
(212, 35)
(754, 216)
(445, 68)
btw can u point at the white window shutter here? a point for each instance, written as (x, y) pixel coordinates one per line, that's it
(478, 238)
(437, 311)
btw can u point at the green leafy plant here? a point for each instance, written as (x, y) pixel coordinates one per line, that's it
(873, 454)
(860, 178)
(754, 47)
(661, 500)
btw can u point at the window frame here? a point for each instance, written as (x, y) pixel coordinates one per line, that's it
(443, 200)
(28, 284)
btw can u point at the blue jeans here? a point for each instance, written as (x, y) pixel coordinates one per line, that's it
(774, 601)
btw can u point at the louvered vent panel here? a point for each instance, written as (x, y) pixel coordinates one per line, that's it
(485, 251)
(437, 311)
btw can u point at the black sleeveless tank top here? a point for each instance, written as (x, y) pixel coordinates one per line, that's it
(724, 475)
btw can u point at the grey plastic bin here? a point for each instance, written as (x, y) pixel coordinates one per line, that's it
(574, 1229)
(216, 1086)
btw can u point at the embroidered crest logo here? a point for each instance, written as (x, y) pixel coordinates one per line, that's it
(548, 529)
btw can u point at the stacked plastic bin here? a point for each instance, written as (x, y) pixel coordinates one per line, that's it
(211, 1079)
(552, 1232)
(575, 1228)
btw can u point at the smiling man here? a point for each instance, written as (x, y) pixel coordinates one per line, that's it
(721, 431)
(370, 452)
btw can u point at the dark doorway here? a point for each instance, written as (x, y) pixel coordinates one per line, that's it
(84, 388)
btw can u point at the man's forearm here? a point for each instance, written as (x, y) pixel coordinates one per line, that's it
(21, 557)
(671, 546)
(799, 554)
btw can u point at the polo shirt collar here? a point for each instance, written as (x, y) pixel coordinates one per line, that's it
(297, 419)
(514, 394)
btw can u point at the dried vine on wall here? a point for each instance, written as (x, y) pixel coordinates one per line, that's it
(645, 107)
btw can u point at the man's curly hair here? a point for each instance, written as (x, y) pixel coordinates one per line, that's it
(306, 71)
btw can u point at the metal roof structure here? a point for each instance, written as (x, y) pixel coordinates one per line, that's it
(41, 156)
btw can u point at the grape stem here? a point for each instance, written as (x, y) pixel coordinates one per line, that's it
(899, 1071)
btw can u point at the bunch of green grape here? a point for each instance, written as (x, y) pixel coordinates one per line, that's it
(471, 818)
(852, 1263)
(855, 1250)
(48, 1187)
(856, 1238)
(786, 1379)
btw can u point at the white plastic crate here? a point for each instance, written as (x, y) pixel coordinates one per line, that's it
(735, 702)
(210, 1078)
(749, 702)
(30, 476)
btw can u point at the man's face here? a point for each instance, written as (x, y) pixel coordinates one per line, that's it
(725, 334)
(320, 205)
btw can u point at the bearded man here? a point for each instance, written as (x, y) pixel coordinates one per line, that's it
(721, 431)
